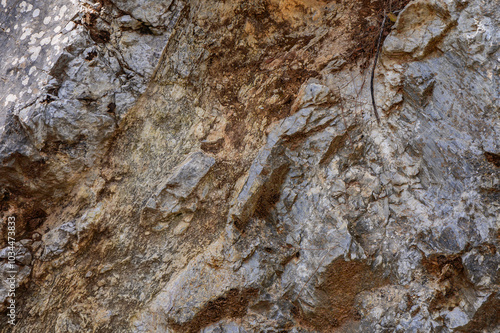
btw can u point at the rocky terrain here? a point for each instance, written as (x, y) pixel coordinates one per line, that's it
(216, 166)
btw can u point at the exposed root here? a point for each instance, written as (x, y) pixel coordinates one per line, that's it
(375, 65)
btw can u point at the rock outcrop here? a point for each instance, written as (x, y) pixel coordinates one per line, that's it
(190, 166)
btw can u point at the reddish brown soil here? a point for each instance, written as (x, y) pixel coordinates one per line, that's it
(233, 305)
(343, 280)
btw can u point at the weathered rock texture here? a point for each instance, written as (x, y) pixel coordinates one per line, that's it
(199, 166)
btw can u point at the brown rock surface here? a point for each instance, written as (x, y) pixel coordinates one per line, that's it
(190, 166)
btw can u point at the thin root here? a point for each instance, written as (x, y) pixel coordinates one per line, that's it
(373, 70)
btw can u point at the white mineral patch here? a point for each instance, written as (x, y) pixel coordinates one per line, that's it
(4, 3)
(26, 33)
(10, 98)
(34, 37)
(35, 52)
(47, 19)
(25, 81)
(55, 40)
(32, 70)
(62, 10)
(70, 26)
(45, 41)
(36, 12)
(57, 29)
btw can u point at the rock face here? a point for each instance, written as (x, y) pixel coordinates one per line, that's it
(190, 166)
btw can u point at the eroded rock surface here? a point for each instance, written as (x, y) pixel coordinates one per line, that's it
(186, 166)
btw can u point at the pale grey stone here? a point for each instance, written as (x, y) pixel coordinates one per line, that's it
(186, 177)
(56, 241)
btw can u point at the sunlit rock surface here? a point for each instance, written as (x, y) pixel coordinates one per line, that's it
(188, 166)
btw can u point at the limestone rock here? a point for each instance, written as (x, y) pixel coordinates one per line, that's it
(193, 166)
(187, 176)
(56, 240)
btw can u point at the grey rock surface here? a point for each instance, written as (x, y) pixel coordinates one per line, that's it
(216, 167)
(187, 176)
(74, 74)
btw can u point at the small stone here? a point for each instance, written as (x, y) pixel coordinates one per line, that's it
(36, 245)
(26, 242)
(187, 176)
(24, 259)
(106, 268)
(181, 228)
(128, 21)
